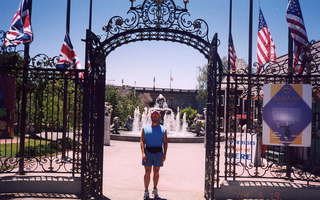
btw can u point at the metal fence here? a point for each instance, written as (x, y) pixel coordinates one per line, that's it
(241, 152)
(46, 138)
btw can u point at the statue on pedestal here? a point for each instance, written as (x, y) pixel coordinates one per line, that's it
(107, 121)
(162, 107)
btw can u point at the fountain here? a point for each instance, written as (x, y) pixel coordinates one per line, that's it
(169, 119)
(176, 128)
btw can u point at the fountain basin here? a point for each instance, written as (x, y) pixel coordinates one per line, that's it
(136, 138)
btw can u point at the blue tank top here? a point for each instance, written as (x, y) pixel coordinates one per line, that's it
(153, 135)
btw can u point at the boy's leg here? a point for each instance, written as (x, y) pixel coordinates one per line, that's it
(156, 176)
(147, 177)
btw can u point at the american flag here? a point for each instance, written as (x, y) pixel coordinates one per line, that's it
(232, 55)
(266, 49)
(20, 28)
(298, 33)
(68, 57)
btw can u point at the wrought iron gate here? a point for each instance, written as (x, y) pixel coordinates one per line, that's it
(93, 119)
(212, 142)
(40, 120)
(152, 20)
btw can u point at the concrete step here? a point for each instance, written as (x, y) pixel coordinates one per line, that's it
(40, 184)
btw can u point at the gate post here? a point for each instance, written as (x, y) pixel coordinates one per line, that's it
(22, 128)
(211, 169)
(93, 120)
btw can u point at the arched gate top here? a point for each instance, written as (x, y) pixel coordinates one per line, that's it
(157, 20)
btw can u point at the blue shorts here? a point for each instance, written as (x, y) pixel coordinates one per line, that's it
(153, 159)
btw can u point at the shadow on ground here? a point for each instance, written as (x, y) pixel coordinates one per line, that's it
(43, 196)
(38, 196)
(267, 190)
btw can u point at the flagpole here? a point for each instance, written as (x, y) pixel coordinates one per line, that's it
(288, 149)
(68, 16)
(230, 31)
(226, 91)
(170, 79)
(90, 16)
(249, 100)
(250, 37)
(24, 100)
(65, 88)
(290, 55)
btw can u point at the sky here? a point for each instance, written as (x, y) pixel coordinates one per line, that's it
(140, 62)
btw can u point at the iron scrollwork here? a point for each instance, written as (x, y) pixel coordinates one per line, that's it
(4, 48)
(157, 20)
(155, 14)
(311, 61)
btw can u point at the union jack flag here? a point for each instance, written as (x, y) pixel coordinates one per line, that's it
(298, 33)
(20, 28)
(266, 49)
(68, 57)
(232, 55)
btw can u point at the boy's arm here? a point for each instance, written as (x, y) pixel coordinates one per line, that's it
(165, 145)
(142, 145)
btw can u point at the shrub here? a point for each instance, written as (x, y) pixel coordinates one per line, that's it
(190, 114)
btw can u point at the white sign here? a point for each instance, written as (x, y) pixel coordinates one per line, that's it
(246, 145)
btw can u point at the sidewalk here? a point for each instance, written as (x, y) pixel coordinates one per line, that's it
(182, 176)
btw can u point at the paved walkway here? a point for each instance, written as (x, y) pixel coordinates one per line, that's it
(182, 176)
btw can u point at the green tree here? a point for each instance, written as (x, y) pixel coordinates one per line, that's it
(203, 76)
(202, 85)
(190, 114)
(123, 102)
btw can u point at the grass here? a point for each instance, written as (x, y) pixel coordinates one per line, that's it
(34, 148)
(11, 148)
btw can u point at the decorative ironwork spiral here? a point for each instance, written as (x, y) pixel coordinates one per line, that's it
(311, 61)
(42, 61)
(9, 164)
(3, 48)
(31, 164)
(154, 14)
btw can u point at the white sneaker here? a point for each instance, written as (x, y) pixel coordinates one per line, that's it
(146, 195)
(155, 193)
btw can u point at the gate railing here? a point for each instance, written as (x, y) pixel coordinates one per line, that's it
(46, 149)
(246, 156)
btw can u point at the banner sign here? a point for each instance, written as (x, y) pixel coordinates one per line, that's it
(287, 114)
(246, 145)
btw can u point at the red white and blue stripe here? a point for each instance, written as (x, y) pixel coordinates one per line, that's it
(68, 58)
(20, 29)
(266, 49)
(232, 55)
(298, 33)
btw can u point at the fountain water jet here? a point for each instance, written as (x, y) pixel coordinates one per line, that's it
(171, 121)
